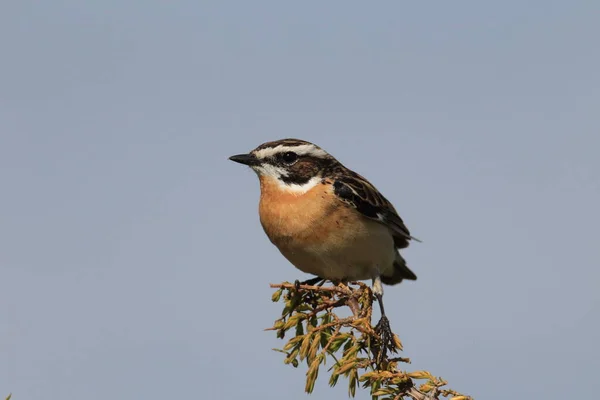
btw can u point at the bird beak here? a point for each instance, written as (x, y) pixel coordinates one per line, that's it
(246, 159)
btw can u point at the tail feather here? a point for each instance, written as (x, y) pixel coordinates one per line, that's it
(401, 272)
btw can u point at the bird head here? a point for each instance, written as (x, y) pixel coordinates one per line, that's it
(294, 164)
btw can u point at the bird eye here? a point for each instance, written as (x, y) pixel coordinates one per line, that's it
(289, 157)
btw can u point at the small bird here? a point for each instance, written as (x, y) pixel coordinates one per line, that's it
(326, 219)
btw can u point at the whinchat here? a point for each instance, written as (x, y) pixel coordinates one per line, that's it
(326, 219)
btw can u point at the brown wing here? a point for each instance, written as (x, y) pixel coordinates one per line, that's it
(355, 190)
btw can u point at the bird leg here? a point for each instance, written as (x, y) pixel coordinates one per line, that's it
(383, 326)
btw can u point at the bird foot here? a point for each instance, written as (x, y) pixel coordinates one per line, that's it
(387, 341)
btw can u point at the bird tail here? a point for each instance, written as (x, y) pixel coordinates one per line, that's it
(401, 272)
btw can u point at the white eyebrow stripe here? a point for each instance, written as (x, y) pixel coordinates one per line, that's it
(302, 149)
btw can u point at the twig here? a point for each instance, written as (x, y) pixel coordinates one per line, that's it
(354, 306)
(317, 305)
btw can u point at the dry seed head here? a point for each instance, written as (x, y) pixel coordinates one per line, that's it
(314, 346)
(345, 368)
(397, 342)
(420, 375)
(304, 346)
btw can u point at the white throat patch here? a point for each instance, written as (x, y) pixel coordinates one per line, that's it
(300, 189)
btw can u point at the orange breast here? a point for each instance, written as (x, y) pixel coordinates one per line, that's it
(321, 235)
(286, 215)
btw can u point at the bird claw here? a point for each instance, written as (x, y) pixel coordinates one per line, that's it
(386, 340)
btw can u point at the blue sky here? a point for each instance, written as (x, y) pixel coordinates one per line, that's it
(132, 261)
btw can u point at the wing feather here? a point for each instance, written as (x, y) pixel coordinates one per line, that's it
(356, 191)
